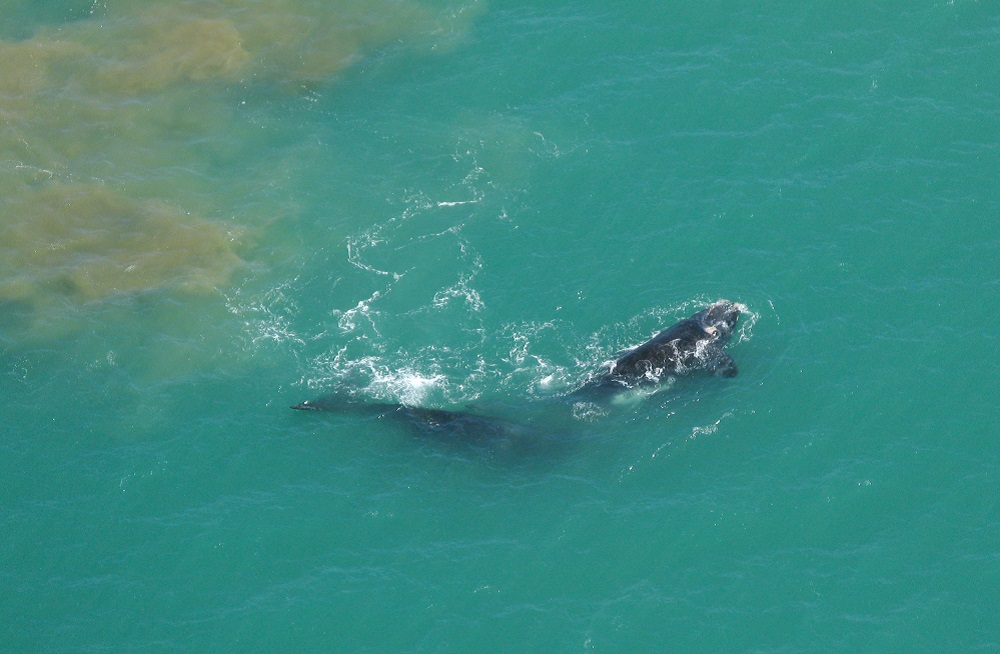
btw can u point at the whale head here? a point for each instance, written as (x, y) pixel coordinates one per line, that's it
(719, 320)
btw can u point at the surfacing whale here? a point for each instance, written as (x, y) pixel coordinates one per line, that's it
(693, 344)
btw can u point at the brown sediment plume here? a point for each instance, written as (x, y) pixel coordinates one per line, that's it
(287, 43)
(25, 69)
(118, 101)
(125, 81)
(86, 242)
(161, 51)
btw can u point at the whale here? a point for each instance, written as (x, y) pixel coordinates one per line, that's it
(466, 430)
(428, 421)
(694, 344)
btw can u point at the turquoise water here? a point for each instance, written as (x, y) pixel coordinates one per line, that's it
(213, 210)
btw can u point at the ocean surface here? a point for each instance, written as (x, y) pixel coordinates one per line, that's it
(212, 210)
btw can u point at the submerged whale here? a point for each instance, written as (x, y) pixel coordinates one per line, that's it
(695, 343)
(428, 421)
(467, 430)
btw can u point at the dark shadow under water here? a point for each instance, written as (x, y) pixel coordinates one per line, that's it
(460, 432)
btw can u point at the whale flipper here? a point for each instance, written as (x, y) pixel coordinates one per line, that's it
(724, 366)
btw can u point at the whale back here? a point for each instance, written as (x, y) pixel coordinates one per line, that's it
(694, 343)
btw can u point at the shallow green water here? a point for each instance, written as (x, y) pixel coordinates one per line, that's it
(214, 210)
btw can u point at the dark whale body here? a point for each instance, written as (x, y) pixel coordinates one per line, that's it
(694, 343)
(428, 421)
(464, 429)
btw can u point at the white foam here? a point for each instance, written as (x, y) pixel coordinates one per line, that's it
(456, 203)
(708, 429)
(267, 318)
(409, 386)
